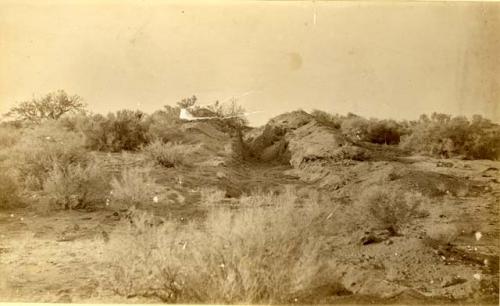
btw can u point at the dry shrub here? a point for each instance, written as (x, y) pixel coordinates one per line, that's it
(49, 144)
(164, 125)
(390, 208)
(9, 191)
(9, 136)
(441, 234)
(135, 186)
(260, 254)
(76, 186)
(327, 119)
(169, 154)
(115, 132)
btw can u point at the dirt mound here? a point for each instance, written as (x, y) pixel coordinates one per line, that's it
(297, 138)
(406, 177)
(219, 141)
(313, 142)
(269, 143)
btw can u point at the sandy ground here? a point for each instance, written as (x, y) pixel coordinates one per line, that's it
(57, 256)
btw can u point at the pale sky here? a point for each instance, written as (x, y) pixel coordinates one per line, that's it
(384, 60)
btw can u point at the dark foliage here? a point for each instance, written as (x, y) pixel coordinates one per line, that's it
(123, 130)
(446, 136)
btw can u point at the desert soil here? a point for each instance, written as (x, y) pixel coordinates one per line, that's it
(57, 256)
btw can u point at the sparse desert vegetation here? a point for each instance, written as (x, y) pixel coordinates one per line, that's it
(169, 154)
(135, 186)
(311, 208)
(269, 253)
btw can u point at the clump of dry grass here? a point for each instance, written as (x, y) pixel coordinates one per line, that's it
(76, 185)
(169, 154)
(389, 208)
(441, 234)
(270, 198)
(211, 196)
(260, 254)
(134, 187)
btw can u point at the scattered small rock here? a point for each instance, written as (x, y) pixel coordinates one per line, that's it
(477, 276)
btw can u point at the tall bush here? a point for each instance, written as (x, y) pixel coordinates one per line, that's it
(123, 130)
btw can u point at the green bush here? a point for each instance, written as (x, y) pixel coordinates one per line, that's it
(264, 254)
(444, 136)
(123, 130)
(383, 132)
(373, 130)
(76, 186)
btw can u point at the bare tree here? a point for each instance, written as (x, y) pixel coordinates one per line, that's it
(51, 106)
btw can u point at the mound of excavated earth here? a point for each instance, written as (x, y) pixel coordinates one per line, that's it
(297, 138)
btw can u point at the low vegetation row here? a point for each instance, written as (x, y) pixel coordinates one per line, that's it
(47, 149)
(438, 135)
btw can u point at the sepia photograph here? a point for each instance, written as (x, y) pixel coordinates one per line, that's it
(249, 152)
